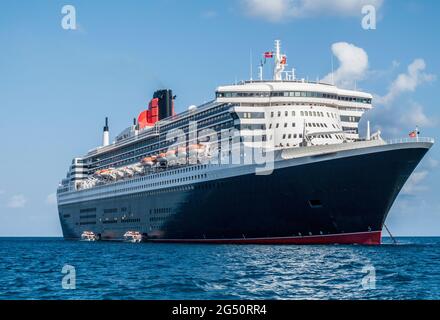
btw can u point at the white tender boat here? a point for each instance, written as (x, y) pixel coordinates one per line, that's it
(88, 236)
(133, 236)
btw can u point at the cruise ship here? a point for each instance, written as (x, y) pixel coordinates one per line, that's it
(277, 161)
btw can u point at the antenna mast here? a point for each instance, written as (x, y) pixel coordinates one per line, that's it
(260, 71)
(333, 72)
(251, 68)
(280, 62)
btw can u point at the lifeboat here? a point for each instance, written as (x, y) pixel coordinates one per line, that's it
(104, 172)
(101, 172)
(196, 148)
(137, 169)
(88, 236)
(128, 172)
(119, 174)
(181, 152)
(133, 236)
(170, 154)
(109, 174)
(149, 161)
(162, 157)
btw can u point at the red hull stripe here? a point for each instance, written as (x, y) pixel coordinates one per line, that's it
(366, 238)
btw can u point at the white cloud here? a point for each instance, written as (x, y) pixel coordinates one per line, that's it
(432, 163)
(395, 64)
(51, 199)
(414, 184)
(407, 82)
(274, 10)
(353, 65)
(17, 201)
(415, 116)
(278, 10)
(397, 119)
(209, 14)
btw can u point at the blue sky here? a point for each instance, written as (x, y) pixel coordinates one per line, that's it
(57, 85)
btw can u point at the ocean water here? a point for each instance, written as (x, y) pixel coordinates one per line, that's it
(31, 268)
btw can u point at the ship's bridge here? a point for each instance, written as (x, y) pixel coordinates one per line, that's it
(291, 89)
(293, 95)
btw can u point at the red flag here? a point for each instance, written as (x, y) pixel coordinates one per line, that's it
(283, 60)
(268, 54)
(413, 134)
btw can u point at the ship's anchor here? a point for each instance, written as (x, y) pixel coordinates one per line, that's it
(389, 232)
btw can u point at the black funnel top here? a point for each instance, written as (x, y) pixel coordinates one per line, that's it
(165, 103)
(106, 124)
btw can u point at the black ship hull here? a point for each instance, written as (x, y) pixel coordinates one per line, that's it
(340, 200)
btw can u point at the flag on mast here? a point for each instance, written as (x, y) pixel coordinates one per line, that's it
(414, 133)
(267, 55)
(283, 60)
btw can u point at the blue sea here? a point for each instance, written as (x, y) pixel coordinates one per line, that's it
(31, 268)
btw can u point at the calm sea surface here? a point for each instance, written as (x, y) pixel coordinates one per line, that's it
(31, 268)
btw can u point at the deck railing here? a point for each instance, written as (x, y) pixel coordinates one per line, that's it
(411, 140)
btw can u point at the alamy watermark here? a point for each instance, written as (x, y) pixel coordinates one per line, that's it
(229, 146)
(369, 19)
(68, 21)
(69, 280)
(369, 280)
